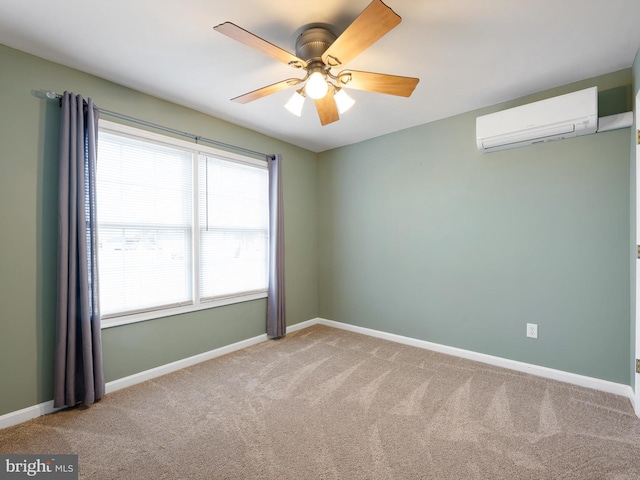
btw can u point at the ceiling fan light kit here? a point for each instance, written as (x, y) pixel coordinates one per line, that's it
(295, 103)
(343, 100)
(317, 52)
(316, 86)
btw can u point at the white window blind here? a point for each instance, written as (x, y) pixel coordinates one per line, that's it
(180, 227)
(234, 226)
(144, 195)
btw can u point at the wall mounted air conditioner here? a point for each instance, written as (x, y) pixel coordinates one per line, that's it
(555, 118)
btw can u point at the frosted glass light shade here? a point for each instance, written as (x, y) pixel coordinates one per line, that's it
(295, 103)
(316, 86)
(343, 101)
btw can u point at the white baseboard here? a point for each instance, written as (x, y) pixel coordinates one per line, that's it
(302, 325)
(35, 411)
(562, 376)
(44, 408)
(20, 416)
(180, 364)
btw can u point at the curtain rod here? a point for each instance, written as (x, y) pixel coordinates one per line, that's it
(197, 138)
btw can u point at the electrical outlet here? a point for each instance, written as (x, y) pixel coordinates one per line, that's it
(532, 330)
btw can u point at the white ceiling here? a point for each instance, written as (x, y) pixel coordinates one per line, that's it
(467, 53)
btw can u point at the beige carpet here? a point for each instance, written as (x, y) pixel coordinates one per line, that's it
(324, 403)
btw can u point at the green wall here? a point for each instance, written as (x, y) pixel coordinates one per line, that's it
(28, 198)
(421, 235)
(414, 233)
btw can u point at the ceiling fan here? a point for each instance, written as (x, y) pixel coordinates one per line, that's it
(317, 52)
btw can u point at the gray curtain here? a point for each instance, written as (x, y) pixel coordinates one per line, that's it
(78, 372)
(276, 314)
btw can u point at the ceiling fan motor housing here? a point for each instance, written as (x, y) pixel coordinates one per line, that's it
(312, 43)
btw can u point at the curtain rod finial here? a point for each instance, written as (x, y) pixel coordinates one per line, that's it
(45, 94)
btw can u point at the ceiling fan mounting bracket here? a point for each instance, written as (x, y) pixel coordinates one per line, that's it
(343, 78)
(333, 61)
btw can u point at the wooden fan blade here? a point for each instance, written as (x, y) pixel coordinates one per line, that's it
(378, 82)
(327, 109)
(241, 35)
(372, 24)
(268, 90)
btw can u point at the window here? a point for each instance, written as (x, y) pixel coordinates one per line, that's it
(233, 227)
(181, 226)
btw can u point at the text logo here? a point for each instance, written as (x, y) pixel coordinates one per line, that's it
(50, 467)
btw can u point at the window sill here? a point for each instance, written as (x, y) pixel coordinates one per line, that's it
(168, 312)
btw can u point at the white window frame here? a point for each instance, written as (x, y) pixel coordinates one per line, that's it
(196, 149)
